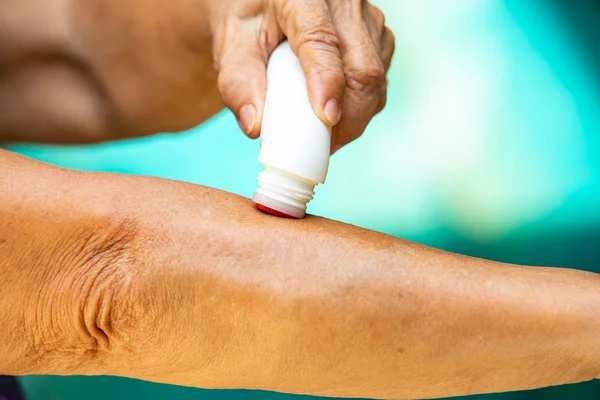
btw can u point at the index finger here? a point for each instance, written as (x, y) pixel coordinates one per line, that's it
(309, 29)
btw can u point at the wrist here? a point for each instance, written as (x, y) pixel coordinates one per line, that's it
(594, 317)
(582, 295)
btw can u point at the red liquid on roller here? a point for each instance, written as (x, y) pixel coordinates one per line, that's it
(268, 210)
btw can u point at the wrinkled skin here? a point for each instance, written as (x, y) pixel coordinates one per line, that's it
(170, 282)
(105, 274)
(125, 69)
(344, 46)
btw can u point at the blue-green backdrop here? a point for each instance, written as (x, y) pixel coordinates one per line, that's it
(489, 146)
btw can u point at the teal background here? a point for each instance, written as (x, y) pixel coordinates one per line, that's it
(489, 146)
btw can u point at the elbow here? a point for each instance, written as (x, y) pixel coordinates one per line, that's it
(81, 315)
(53, 100)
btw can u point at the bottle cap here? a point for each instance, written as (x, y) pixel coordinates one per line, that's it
(283, 194)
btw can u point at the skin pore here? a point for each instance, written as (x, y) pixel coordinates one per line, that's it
(177, 283)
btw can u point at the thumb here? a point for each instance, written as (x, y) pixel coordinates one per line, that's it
(241, 63)
(309, 28)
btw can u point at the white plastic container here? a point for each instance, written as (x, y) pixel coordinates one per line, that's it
(295, 144)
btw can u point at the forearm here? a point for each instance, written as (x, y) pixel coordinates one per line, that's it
(319, 307)
(93, 71)
(176, 283)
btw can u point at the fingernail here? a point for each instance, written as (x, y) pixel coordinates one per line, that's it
(247, 114)
(332, 111)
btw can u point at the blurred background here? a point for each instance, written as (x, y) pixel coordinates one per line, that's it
(489, 146)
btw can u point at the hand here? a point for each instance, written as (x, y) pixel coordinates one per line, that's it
(141, 67)
(343, 45)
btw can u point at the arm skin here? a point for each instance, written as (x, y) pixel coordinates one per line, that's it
(182, 284)
(175, 283)
(98, 70)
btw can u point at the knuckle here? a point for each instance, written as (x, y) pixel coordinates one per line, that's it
(370, 78)
(377, 16)
(321, 36)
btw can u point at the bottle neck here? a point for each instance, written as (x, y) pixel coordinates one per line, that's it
(286, 188)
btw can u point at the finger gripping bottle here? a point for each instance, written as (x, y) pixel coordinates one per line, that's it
(295, 143)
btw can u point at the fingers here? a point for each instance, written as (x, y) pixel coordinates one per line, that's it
(375, 20)
(388, 45)
(361, 28)
(309, 28)
(241, 58)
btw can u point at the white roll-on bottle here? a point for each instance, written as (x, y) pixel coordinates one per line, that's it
(295, 143)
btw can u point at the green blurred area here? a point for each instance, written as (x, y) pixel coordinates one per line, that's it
(489, 146)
